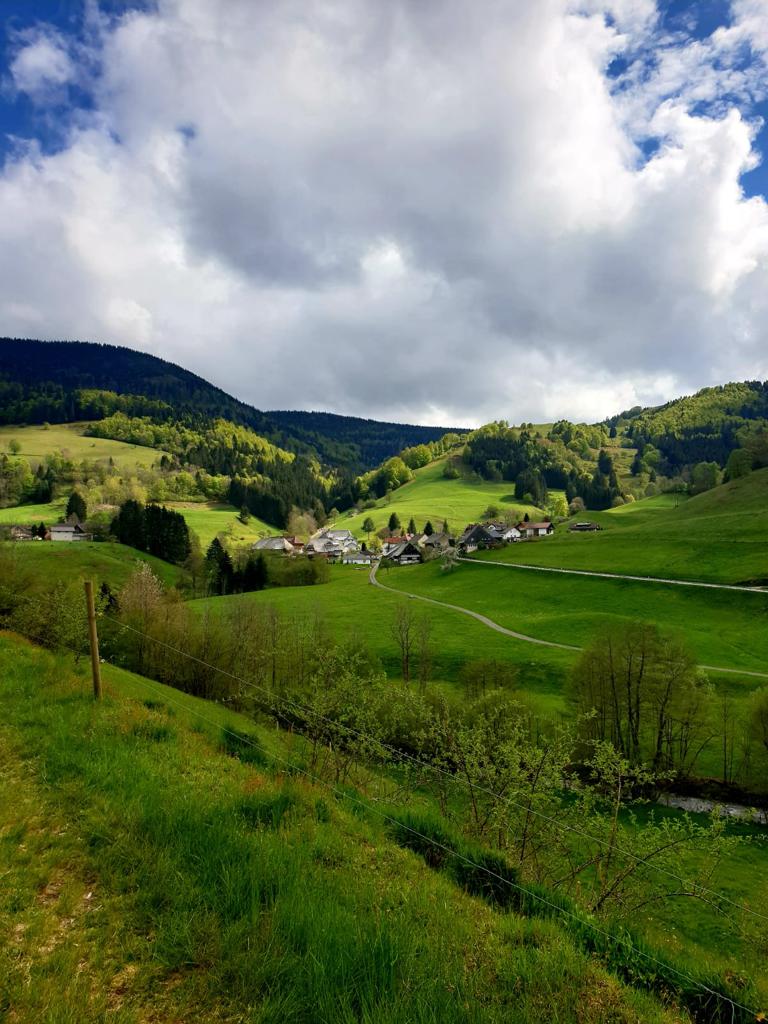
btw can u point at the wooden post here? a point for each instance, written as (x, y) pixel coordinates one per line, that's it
(93, 636)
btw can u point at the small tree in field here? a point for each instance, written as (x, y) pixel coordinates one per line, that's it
(394, 522)
(411, 526)
(403, 632)
(368, 527)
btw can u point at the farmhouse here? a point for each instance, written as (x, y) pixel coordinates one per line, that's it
(503, 532)
(536, 529)
(21, 533)
(274, 544)
(435, 541)
(584, 527)
(476, 535)
(406, 553)
(68, 532)
(357, 558)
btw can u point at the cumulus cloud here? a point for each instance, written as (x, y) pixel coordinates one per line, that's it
(42, 65)
(438, 211)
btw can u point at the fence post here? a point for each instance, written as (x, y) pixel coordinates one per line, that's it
(93, 637)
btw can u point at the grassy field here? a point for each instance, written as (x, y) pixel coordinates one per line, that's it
(67, 439)
(49, 563)
(147, 876)
(719, 536)
(431, 496)
(210, 519)
(352, 610)
(18, 515)
(724, 628)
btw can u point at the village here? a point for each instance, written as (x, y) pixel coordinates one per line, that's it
(338, 545)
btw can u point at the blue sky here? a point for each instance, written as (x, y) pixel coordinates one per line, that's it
(576, 188)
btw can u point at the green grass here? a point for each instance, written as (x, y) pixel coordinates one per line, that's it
(431, 497)
(352, 609)
(724, 628)
(148, 875)
(67, 439)
(19, 515)
(53, 562)
(719, 536)
(210, 519)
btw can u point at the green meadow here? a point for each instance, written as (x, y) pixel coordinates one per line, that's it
(718, 536)
(46, 563)
(211, 519)
(429, 496)
(353, 610)
(150, 876)
(19, 515)
(726, 629)
(68, 440)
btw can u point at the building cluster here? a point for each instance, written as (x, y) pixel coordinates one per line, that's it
(57, 532)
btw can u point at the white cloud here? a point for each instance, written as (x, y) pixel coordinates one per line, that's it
(42, 66)
(434, 211)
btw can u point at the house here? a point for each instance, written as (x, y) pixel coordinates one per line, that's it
(296, 543)
(358, 558)
(323, 540)
(407, 553)
(21, 533)
(68, 532)
(503, 532)
(476, 535)
(584, 527)
(277, 545)
(390, 543)
(529, 530)
(435, 541)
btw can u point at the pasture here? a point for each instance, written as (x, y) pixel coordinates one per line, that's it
(212, 519)
(430, 496)
(720, 536)
(69, 441)
(45, 563)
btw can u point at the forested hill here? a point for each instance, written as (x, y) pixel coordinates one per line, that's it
(50, 381)
(706, 426)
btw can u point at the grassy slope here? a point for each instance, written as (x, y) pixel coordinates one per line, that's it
(718, 536)
(431, 496)
(210, 519)
(352, 609)
(68, 439)
(18, 515)
(149, 877)
(724, 628)
(54, 562)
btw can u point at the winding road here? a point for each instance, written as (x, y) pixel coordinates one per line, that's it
(490, 624)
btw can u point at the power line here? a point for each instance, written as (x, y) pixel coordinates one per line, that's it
(275, 701)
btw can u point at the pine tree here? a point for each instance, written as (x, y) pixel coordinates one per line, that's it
(428, 528)
(77, 507)
(394, 522)
(411, 526)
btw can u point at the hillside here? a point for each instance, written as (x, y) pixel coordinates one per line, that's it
(719, 536)
(430, 496)
(705, 426)
(43, 380)
(149, 876)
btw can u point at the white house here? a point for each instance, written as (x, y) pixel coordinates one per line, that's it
(326, 539)
(536, 529)
(68, 532)
(357, 558)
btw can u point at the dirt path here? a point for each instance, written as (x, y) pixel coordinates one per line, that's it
(523, 636)
(616, 576)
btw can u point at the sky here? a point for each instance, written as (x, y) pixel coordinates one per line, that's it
(437, 211)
